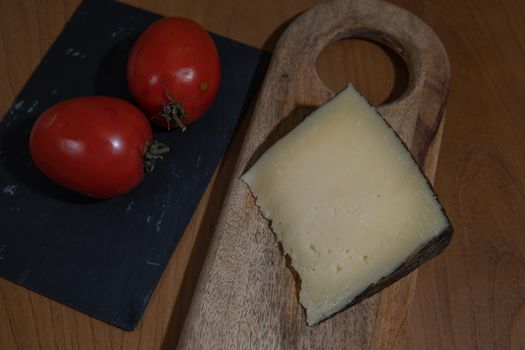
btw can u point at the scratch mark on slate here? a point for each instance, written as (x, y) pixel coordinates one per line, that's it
(130, 206)
(75, 53)
(10, 189)
(175, 171)
(159, 222)
(19, 105)
(148, 219)
(199, 161)
(23, 276)
(152, 263)
(117, 32)
(32, 107)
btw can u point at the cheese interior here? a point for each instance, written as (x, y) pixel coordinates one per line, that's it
(346, 199)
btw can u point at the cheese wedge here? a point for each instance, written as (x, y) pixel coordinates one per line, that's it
(346, 200)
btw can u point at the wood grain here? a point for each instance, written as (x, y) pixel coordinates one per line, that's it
(246, 297)
(470, 297)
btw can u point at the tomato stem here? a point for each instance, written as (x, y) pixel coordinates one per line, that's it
(173, 112)
(153, 151)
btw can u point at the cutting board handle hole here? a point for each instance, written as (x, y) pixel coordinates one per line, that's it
(359, 61)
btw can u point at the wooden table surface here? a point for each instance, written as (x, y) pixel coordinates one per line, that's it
(470, 297)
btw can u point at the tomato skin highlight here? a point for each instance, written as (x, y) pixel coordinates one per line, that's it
(92, 145)
(174, 59)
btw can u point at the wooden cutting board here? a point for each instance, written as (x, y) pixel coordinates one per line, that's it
(246, 297)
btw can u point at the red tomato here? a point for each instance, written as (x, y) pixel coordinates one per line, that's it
(93, 145)
(174, 71)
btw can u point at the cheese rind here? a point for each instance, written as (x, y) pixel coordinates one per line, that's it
(346, 200)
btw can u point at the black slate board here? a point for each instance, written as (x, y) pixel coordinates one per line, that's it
(104, 258)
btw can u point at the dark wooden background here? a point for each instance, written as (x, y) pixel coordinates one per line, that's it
(471, 297)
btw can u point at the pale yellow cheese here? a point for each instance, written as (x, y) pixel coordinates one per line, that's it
(346, 199)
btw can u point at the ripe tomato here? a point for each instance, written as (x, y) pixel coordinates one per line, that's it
(94, 145)
(174, 72)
